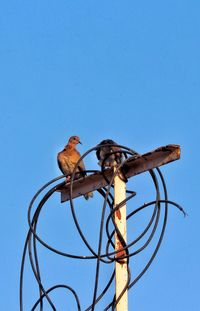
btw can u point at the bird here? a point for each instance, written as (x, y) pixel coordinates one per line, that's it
(107, 154)
(67, 160)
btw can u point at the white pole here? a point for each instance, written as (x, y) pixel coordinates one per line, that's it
(121, 274)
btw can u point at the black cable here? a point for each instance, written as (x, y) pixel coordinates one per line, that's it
(107, 257)
(55, 287)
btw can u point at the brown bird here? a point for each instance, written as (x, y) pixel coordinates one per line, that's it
(67, 160)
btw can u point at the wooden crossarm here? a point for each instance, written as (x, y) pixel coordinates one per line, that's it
(133, 166)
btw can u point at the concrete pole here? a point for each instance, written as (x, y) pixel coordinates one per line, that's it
(121, 274)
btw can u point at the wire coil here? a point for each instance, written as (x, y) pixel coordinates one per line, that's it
(107, 257)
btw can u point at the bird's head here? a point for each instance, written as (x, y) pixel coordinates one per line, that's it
(107, 142)
(74, 140)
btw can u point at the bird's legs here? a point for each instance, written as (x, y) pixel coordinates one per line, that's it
(68, 178)
(76, 176)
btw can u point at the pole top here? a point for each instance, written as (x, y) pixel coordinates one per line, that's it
(134, 165)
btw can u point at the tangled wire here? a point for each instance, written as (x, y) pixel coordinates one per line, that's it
(110, 256)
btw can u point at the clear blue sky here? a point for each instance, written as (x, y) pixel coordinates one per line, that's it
(126, 70)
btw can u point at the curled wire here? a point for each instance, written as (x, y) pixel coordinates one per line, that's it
(110, 255)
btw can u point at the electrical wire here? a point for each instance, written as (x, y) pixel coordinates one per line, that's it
(110, 255)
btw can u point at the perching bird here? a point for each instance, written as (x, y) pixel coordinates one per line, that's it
(68, 158)
(107, 155)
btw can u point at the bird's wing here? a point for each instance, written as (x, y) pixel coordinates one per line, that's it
(98, 152)
(100, 149)
(75, 156)
(81, 168)
(59, 163)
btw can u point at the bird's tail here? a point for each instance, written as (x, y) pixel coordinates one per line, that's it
(88, 195)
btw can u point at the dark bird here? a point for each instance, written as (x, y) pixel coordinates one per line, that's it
(107, 154)
(67, 160)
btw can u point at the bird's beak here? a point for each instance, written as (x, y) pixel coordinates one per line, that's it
(80, 142)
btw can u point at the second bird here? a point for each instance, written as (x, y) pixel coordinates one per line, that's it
(68, 158)
(107, 153)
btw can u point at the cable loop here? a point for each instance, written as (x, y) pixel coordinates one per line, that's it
(109, 255)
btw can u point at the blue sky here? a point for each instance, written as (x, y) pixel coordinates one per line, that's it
(110, 69)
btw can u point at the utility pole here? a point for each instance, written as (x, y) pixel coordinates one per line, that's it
(109, 177)
(133, 166)
(121, 273)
